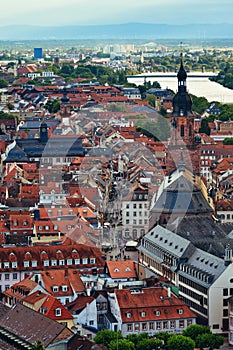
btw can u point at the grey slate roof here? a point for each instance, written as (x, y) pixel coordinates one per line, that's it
(172, 243)
(203, 232)
(181, 192)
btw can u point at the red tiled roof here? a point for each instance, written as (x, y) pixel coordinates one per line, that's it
(50, 305)
(59, 278)
(150, 300)
(121, 269)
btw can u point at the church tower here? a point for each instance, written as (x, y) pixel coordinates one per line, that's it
(182, 140)
(65, 105)
(44, 132)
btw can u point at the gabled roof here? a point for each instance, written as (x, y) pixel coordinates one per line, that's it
(49, 306)
(121, 269)
(61, 278)
(79, 304)
(29, 325)
(150, 304)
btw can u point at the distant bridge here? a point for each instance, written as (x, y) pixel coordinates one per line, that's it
(172, 75)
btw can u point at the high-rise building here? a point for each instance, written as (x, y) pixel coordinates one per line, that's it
(38, 52)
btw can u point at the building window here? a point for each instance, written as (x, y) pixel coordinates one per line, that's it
(84, 261)
(144, 326)
(92, 260)
(189, 322)
(55, 289)
(225, 292)
(53, 262)
(165, 325)
(225, 313)
(46, 262)
(136, 327)
(91, 322)
(15, 276)
(69, 261)
(58, 312)
(158, 325)
(61, 262)
(34, 263)
(26, 264)
(7, 276)
(129, 327)
(182, 131)
(151, 325)
(77, 261)
(172, 324)
(14, 264)
(181, 324)
(64, 288)
(6, 265)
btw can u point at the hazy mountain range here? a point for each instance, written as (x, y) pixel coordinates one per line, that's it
(118, 31)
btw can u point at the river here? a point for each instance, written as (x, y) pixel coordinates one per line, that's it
(200, 86)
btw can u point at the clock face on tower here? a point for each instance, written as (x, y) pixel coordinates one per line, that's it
(43, 130)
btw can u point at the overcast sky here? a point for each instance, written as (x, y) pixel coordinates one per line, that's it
(65, 12)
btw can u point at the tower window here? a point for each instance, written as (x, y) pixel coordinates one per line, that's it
(182, 131)
(190, 130)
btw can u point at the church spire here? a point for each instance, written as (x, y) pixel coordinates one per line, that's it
(182, 102)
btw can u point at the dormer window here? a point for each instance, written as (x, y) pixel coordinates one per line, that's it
(64, 288)
(57, 311)
(157, 313)
(55, 289)
(127, 269)
(53, 262)
(143, 314)
(128, 314)
(14, 264)
(6, 264)
(26, 264)
(180, 311)
(116, 270)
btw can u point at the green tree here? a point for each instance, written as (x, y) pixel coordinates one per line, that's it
(38, 345)
(211, 341)
(199, 104)
(164, 336)
(66, 69)
(205, 129)
(53, 106)
(194, 330)
(228, 141)
(136, 338)
(3, 83)
(121, 344)
(10, 106)
(105, 336)
(180, 342)
(149, 344)
(150, 99)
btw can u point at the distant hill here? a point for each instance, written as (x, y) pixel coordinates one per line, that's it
(118, 31)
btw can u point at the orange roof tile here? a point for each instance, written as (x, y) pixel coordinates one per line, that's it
(121, 269)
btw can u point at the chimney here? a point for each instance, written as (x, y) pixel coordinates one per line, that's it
(228, 255)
